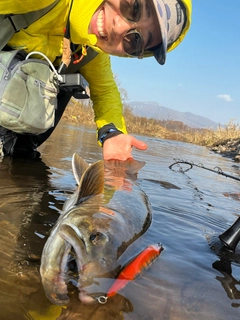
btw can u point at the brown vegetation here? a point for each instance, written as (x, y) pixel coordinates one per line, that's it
(80, 111)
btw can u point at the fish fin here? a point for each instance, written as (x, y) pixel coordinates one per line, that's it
(71, 201)
(129, 167)
(78, 167)
(133, 166)
(92, 181)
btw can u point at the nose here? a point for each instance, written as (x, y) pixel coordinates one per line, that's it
(120, 26)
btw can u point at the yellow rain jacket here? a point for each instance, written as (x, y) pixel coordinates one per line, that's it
(46, 35)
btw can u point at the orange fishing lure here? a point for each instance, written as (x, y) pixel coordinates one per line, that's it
(135, 267)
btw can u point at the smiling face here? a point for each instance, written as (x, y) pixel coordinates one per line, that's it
(125, 26)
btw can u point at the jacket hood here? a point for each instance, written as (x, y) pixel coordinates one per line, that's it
(80, 17)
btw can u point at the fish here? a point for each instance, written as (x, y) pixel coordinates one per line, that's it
(107, 213)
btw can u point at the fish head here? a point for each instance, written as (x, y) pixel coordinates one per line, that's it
(90, 249)
(84, 250)
(92, 238)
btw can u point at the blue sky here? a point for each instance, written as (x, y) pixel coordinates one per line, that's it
(202, 75)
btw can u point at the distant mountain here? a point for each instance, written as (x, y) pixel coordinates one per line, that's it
(154, 110)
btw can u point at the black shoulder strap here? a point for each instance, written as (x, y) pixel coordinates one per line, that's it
(91, 53)
(9, 24)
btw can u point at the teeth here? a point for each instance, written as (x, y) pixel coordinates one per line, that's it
(100, 24)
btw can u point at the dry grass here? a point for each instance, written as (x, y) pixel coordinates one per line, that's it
(82, 112)
(210, 137)
(79, 112)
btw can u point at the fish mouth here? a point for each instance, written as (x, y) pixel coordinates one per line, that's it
(73, 238)
(73, 261)
(69, 262)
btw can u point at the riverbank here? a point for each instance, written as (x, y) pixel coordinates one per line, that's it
(224, 140)
(228, 148)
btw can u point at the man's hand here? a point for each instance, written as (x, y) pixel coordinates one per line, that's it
(120, 147)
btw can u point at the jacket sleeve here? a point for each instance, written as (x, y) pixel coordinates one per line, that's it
(105, 95)
(20, 6)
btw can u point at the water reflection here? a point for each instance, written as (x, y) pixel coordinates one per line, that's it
(224, 265)
(194, 278)
(228, 282)
(24, 184)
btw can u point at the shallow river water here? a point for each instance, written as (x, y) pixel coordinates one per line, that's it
(193, 278)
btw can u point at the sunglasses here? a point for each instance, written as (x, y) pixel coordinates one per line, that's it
(133, 43)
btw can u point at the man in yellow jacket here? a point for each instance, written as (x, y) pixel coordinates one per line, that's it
(136, 28)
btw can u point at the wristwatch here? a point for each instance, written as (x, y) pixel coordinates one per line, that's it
(107, 131)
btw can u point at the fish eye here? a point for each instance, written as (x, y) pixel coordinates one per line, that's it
(97, 238)
(92, 237)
